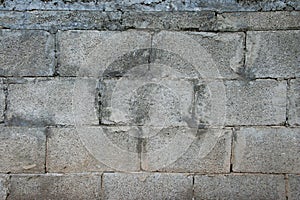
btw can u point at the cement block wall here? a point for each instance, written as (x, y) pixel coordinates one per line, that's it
(149, 99)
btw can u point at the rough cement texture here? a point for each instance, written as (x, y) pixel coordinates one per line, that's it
(149, 99)
(294, 182)
(242, 21)
(151, 5)
(55, 186)
(26, 53)
(267, 150)
(147, 186)
(51, 100)
(22, 150)
(3, 187)
(282, 61)
(244, 186)
(294, 99)
(259, 102)
(78, 158)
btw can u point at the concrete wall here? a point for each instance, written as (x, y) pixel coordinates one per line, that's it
(149, 99)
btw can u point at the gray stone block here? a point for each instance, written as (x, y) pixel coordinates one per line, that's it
(22, 150)
(3, 187)
(241, 21)
(239, 186)
(294, 99)
(90, 53)
(226, 49)
(63, 101)
(202, 151)
(26, 53)
(61, 20)
(260, 102)
(267, 150)
(169, 20)
(294, 187)
(55, 186)
(283, 59)
(147, 186)
(78, 158)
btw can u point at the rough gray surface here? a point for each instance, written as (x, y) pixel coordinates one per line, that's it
(78, 158)
(284, 59)
(26, 53)
(208, 153)
(55, 186)
(3, 187)
(294, 99)
(89, 53)
(151, 5)
(226, 50)
(243, 186)
(267, 150)
(2, 100)
(22, 150)
(294, 187)
(147, 186)
(52, 101)
(242, 21)
(260, 102)
(169, 21)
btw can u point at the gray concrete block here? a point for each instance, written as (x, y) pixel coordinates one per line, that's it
(3, 187)
(281, 62)
(241, 21)
(169, 20)
(55, 186)
(63, 101)
(239, 186)
(90, 53)
(202, 151)
(267, 150)
(147, 186)
(26, 53)
(294, 99)
(78, 158)
(22, 150)
(260, 102)
(294, 187)
(226, 49)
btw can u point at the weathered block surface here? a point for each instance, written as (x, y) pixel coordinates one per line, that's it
(26, 53)
(89, 53)
(77, 158)
(260, 102)
(39, 102)
(239, 187)
(22, 150)
(226, 50)
(2, 100)
(268, 150)
(208, 152)
(294, 187)
(150, 5)
(241, 21)
(61, 20)
(281, 61)
(169, 20)
(3, 187)
(294, 99)
(55, 186)
(147, 186)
